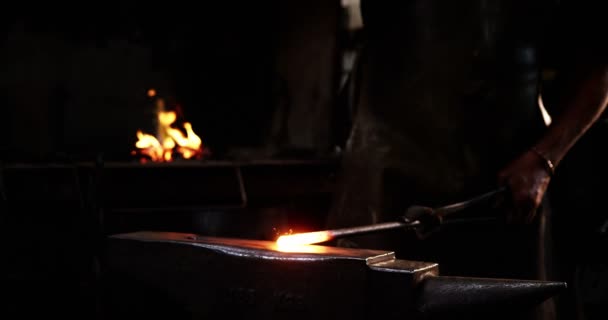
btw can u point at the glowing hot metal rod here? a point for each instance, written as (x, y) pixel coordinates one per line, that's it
(423, 220)
(299, 239)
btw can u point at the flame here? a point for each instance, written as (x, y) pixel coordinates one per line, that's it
(149, 146)
(188, 145)
(300, 241)
(166, 119)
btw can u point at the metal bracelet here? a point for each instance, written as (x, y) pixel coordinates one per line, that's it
(549, 166)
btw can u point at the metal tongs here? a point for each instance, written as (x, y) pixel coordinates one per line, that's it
(424, 221)
(427, 220)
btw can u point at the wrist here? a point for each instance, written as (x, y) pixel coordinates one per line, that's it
(548, 164)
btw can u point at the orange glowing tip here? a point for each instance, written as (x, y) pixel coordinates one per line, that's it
(300, 239)
(291, 241)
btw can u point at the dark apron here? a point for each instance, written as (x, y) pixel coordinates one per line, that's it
(448, 96)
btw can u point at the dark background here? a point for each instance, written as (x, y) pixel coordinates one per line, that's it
(259, 81)
(248, 75)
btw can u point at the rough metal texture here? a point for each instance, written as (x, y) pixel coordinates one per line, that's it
(185, 276)
(442, 295)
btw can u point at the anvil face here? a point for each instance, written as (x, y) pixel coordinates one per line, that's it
(211, 277)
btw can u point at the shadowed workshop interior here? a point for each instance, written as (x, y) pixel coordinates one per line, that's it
(232, 122)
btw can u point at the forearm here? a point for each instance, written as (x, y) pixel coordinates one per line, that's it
(584, 101)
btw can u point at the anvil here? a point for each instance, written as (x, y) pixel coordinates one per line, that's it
(188, 276)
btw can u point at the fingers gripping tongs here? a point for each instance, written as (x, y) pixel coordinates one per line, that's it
(428, 219)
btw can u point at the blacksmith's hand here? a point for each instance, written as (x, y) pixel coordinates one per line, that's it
(527, 178)
(428, 221)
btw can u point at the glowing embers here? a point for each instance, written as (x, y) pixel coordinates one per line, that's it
(170, 142)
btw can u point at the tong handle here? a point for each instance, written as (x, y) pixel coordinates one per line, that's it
(427, 224)
(455, 207)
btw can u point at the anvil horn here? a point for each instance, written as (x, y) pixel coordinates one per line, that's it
(453, 294)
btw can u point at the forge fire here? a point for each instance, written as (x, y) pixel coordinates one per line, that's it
(170, 142)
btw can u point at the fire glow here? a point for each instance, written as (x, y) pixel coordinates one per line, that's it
(169, 140)
(299, 241)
